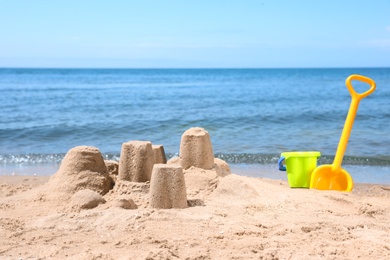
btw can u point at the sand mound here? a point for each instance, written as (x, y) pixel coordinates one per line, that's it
(221, 167)
(86, 199)
(236, 188)
(124, 202)
(138, 192)
(200, 183)
(82, 168)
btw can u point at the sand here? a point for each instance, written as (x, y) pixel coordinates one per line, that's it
(231, 217)
(192, 207)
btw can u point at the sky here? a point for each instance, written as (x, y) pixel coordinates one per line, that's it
(194, 34)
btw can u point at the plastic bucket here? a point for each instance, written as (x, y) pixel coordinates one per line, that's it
(299, 166)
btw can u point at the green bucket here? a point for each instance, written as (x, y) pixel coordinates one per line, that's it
(299, 166)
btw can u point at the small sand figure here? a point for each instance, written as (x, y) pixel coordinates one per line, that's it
(136, 161)
(159, 154)
(167, 187)
(196, 149)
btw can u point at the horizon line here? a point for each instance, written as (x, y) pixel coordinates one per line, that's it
(189, 68)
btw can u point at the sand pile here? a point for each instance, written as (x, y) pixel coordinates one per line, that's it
(86, 199)
(82, 168)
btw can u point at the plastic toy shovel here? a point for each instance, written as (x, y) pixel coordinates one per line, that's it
(332, 176)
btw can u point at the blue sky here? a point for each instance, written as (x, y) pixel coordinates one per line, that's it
(194, 34)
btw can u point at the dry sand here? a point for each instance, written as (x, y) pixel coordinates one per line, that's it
(194, 209)
(231, 217)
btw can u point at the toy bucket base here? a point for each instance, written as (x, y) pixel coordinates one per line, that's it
(299, 166)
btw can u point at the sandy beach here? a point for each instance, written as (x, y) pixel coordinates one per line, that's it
(189, 207)
(232, 217)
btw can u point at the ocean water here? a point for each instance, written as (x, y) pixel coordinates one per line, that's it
(252, 115)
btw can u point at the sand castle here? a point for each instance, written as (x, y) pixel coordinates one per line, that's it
(168, 188)
(196, 149)
(159, 154)
(142, 177)
(82, 168)
(136, 161)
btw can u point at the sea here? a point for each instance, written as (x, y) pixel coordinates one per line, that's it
(252, 115)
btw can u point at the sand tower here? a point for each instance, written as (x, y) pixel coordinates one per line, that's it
(196, 149)
(136, 161)
(167, 187)
(82, 168)
(159, 154)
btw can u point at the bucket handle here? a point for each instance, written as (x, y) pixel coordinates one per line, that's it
(280, 163)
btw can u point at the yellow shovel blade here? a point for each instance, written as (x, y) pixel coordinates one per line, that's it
(325, 177)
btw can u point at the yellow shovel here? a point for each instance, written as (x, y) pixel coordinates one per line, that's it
(332, 176)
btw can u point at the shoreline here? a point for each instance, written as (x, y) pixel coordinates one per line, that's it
(33, 181)
(362, 174)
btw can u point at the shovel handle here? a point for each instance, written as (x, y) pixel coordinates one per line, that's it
(356, 97)
(364, 79)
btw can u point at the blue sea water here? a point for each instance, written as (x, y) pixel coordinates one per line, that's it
(252, 115)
